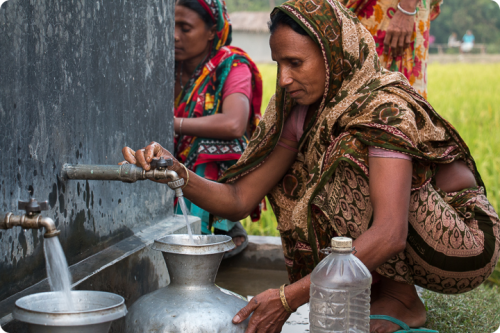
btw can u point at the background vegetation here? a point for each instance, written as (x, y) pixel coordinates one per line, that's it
(472, 312)
(481, 16)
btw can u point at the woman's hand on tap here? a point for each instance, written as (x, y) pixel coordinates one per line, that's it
(144, 156)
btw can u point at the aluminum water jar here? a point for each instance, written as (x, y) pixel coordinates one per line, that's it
(191, 302)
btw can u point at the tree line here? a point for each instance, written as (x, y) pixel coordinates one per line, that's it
(480, 16)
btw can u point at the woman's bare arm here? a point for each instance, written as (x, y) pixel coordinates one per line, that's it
(230, 124)
(231, 201)
(390, 190)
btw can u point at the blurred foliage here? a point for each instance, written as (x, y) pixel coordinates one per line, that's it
(252, 5)
(482, 17)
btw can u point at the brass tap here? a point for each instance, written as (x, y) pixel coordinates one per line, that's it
(127, 173)
(32, 219)
(159, 167)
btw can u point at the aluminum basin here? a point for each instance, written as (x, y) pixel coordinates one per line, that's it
(94, 312)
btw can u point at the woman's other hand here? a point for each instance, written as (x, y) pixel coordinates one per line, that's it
(399, 35)
(269, 315)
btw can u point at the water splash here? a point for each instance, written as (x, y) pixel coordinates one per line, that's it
(58, 271)
(184, 209)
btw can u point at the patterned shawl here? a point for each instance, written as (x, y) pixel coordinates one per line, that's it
(202, 96)
(357, 6)
(363, 105)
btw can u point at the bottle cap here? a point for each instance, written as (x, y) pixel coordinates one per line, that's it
(341, 243)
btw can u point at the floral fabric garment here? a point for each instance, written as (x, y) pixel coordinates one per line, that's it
(376, 15)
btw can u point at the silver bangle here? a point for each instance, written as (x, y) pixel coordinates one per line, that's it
(407, 12)
(180, 127)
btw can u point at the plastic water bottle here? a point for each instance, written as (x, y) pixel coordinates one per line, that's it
(340, 292)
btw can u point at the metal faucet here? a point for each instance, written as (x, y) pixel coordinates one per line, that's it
(127, 173)
(32, 219)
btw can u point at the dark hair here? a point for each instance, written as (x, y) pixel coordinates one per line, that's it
(281, 18)
(196, 7)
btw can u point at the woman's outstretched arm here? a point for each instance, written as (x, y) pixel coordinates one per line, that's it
(232, 201)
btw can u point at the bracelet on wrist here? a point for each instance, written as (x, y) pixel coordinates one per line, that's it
(407, 12)
(283, 299)
(180, 127)
(187, 176)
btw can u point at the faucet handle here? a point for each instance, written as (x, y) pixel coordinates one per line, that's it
(33, 206)
(161, 163)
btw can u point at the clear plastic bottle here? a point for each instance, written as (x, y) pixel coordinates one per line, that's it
(340, 292)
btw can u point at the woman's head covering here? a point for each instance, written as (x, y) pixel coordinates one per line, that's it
(218, 11)
(202, 96)
(223, 35)
(363, 105)
(345, 47)
(353, 72)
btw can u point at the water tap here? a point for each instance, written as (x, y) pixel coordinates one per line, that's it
(127, 173)
(32, 219)
(176, 182)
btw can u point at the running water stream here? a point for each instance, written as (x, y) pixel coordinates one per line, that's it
(57, 266)
(184, 209)
(58, 271)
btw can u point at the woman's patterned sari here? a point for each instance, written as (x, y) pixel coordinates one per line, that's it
(376, 16)
(453, 239)
(202, 96)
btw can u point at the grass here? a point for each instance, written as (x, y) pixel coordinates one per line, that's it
(475, 311)
(268, 72)
(266, 226)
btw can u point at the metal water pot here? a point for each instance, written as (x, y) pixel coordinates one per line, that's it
(192, 302)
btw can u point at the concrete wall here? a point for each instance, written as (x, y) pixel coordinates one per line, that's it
(79, 80)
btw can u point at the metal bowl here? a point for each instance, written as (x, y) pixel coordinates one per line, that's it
(94, 311)
(203, 244)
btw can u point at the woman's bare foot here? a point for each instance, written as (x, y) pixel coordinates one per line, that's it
(238, 240)
(398, 300)
(239, 236)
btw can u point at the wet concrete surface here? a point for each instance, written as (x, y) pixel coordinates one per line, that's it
(249, 282)
(79, 80)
